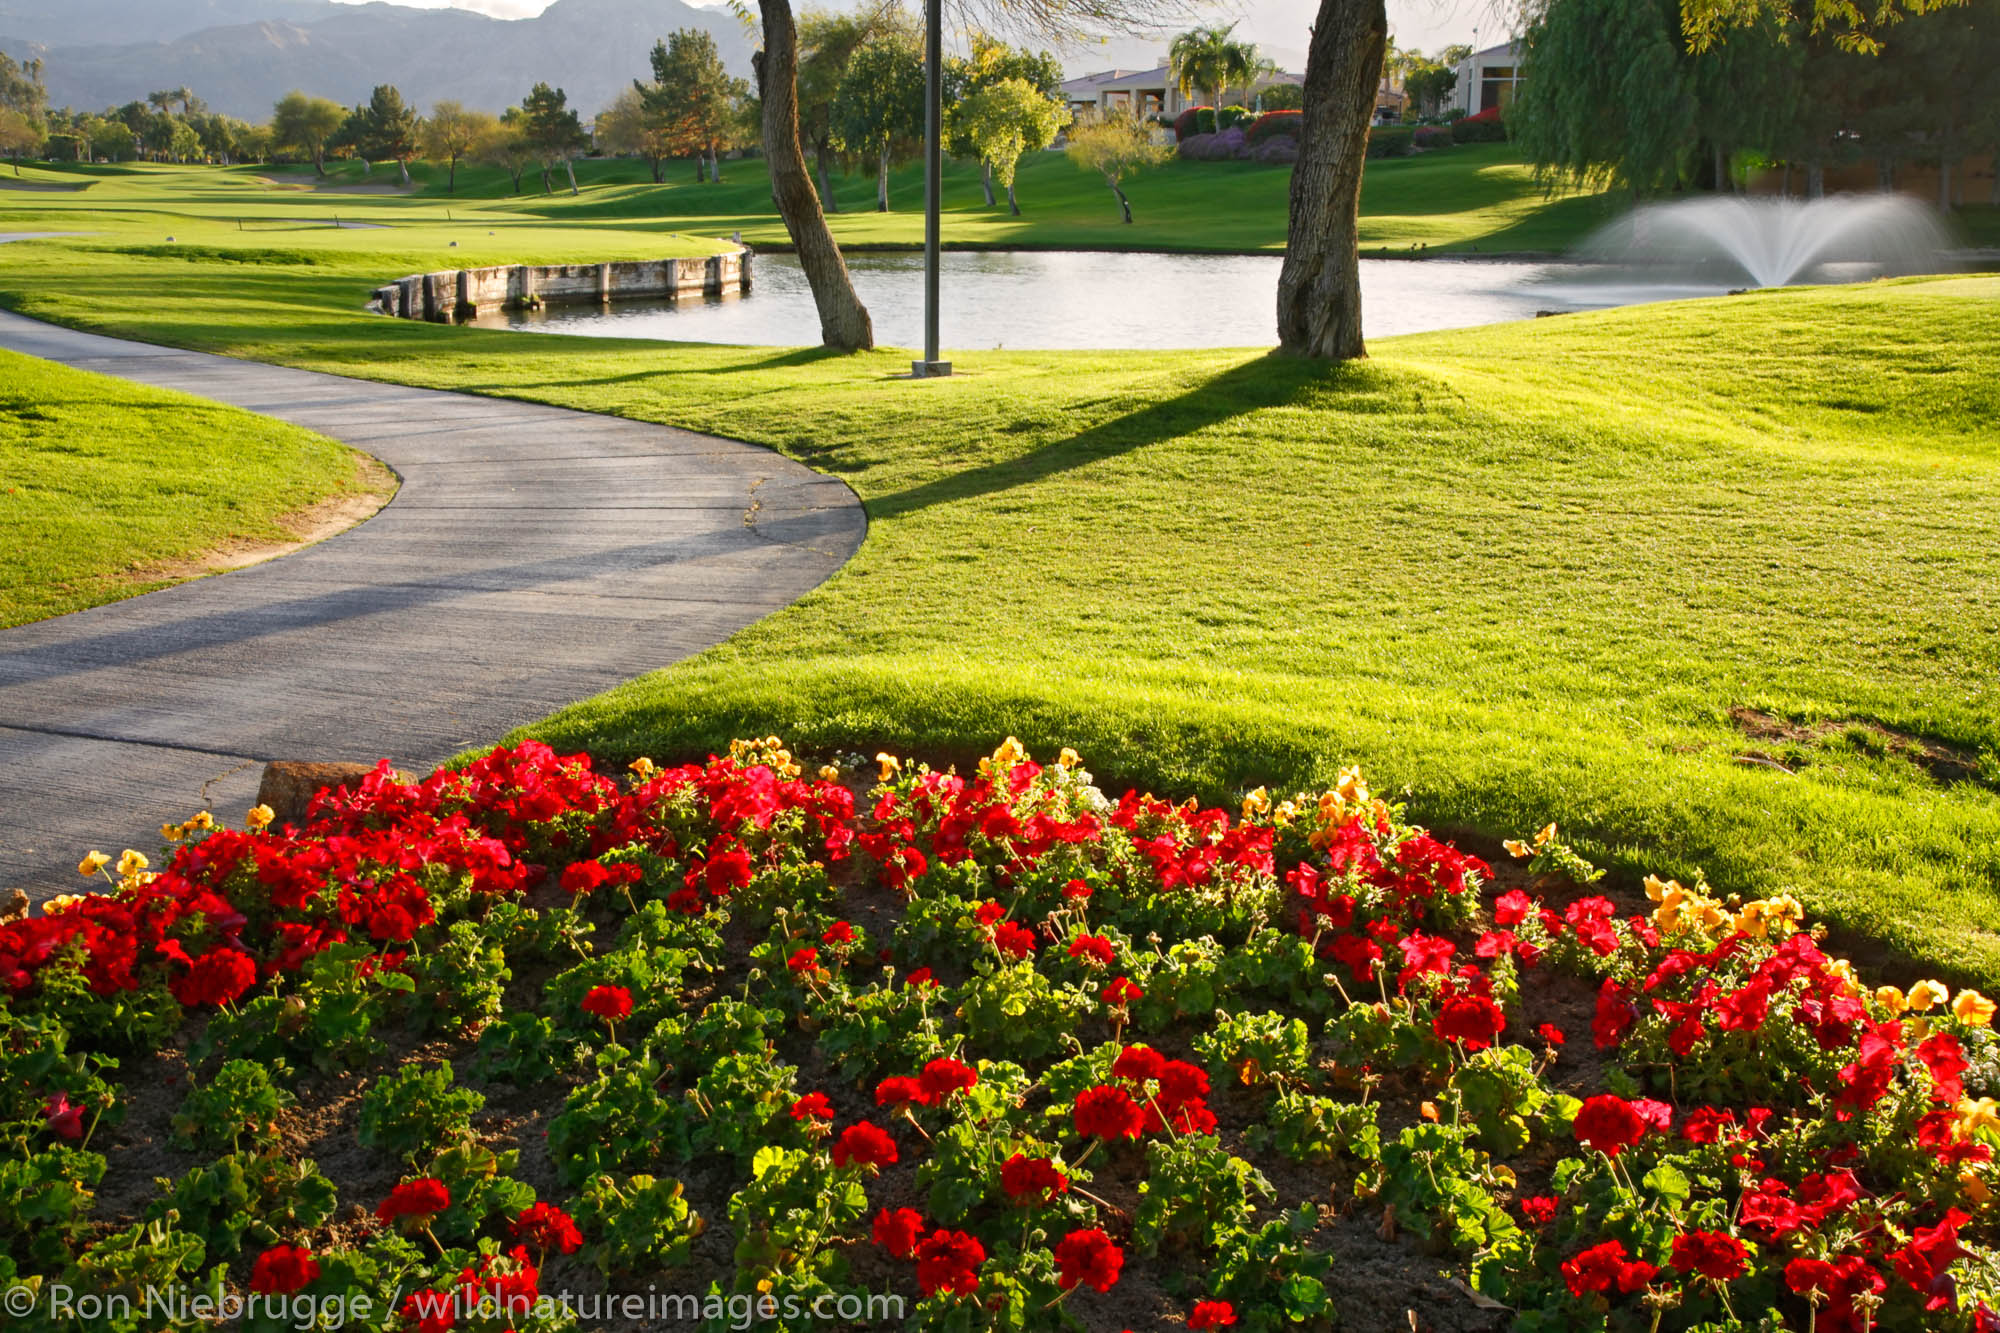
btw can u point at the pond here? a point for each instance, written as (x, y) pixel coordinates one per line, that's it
(1075, 299)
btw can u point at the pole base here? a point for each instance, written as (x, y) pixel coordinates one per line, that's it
(929, 370)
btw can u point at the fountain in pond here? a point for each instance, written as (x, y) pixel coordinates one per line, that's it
(1737, 242)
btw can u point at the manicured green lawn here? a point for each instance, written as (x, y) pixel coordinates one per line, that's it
(102, 482)
(1523, 572)
(1476, 196)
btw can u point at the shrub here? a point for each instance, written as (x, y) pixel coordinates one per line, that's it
(1231, 116)
(1195, 120)
(1194, 147)
(1290, 124)
(1282, 97)
(1485, 127)
(1433, 136)
(1390, 141)
(1223, 147)
(1278, 150)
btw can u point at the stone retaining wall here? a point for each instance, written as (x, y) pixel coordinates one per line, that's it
(464, 293)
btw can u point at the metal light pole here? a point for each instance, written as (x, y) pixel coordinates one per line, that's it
(933, 185)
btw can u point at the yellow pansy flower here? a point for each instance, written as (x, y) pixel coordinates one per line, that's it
(1546, 836)
(260, 817)
(92, 863)
(1975, 1188)
(1352, 786)
(1973, 1009)
(1891, 999)
(171, 832)
(644, 767)
(1657, 888)
(1974, 1116)
(1515, 847)
(890, 765)
(828, 773)
(1256, 803)
(1926, 995)
(132, 863)
(1069, 758)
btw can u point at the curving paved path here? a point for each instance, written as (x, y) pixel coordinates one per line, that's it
(534, 556)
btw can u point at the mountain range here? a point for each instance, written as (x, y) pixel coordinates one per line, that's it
(241, 56)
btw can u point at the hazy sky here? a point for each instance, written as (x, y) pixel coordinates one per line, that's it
(1280, 26)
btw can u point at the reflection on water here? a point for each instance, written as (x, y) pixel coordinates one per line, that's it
(1075, 299)
(1064, 299)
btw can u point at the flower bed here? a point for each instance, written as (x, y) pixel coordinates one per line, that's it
(993, 1044)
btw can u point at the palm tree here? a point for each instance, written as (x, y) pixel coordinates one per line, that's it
(1209, 58)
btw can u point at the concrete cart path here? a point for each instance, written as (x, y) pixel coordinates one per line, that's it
(534, 556)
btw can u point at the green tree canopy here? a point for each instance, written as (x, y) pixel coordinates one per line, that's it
(694, 99)
(451, 132)
(305, 124)
(552, 129)
(387, 128)
(879, 111)
(1004, 120)
(1116, 147)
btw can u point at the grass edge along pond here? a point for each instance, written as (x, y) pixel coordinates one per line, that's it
(1675, 577)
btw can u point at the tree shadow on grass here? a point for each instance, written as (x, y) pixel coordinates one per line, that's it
(1250, 386)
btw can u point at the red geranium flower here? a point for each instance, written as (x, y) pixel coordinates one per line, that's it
(609, 1003)
(282, 1270)
(899, 1089)
(547, 1227)
(1609, 1124)
(897, 1229)
(1076, 889)
(1471, 1020)
(1013, 939)
(1138, 1063)
(864, 1145)
(215, 978)
(944, 1077)
(1712, 1254)
(1538, 1209)
(1550, 1033)
(948, 1261)
(1087, 1258)
(921, 977)
(1122, 991)
(812, 1106)
(1605, 1267)
(1094, 950)
(1211, 1314)
(62, 1119)
(424, 1198)
(803, 961)
(1108, 1113)
(1023, 1176)
(837, 934)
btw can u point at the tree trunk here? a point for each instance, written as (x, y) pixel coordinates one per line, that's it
(1885, 174)
(843, 320)
(882, 181)
(986, 181)
(548, 186)
(657, 164)
(1013, 205)
(451, 180)
(1815, 180)
(714, 166)
(1124, 204)
(404, 167)
(569, 165)
(319, 160)
(700, 167)
(1319, 287)
(823, 159)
